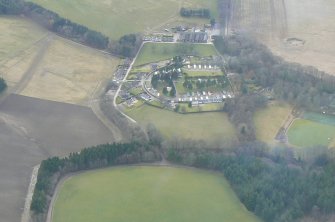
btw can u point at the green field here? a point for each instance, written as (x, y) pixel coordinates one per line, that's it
(268, 121)
(184, 108)
(200, 126)
(119, 17)
(307, 133)
(202, 73)
(148, 194)
(320, 118)
(154, 52)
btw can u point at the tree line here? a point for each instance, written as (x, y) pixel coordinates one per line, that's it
(53, 169)
(301, 86)
(10, 7)
(201, 13)
(126, 46)
(65, 27)
(273, 187)
(304, 87)
(3, 85)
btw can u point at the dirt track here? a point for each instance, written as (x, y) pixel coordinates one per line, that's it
(43, 45)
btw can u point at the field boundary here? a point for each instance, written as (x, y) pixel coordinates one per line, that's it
(163, 163)
(33, 180)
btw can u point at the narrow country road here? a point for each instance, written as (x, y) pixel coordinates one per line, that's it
(124, 80)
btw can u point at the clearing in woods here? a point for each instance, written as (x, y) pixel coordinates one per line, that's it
(116, 18)
(313, 130)
(150, 194)
(268, 121)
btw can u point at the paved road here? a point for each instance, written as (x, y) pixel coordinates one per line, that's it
(124, 80)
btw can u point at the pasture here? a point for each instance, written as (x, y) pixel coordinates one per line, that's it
(154, 52)
(307, 133)
(268, 121)
(70, 73)
(116, 18)
(211, 127)
(150, 194)
(314, 129)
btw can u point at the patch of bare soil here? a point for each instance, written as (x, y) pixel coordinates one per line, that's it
(32, 130)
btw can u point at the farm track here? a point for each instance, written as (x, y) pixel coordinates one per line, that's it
(94, 104)
(30, 193)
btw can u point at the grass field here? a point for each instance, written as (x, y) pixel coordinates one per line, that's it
(148, 194)
(314, 129)
(202, 73)
(307, 133)
(70, 73)
(154, 52)
(269, 120)
(202, 126)
(320, 118)
(119, 17)
(184, 108)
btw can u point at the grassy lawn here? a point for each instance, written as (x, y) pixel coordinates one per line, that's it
(119, 100)
(320, 118)
(206, 126)
(136, 91)
(202, 73)
(148, 194)
(184, 108)
(306, 133)
(154, 52)
(156, 103)
(269, 120)
(180, 88)
(116, 18)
